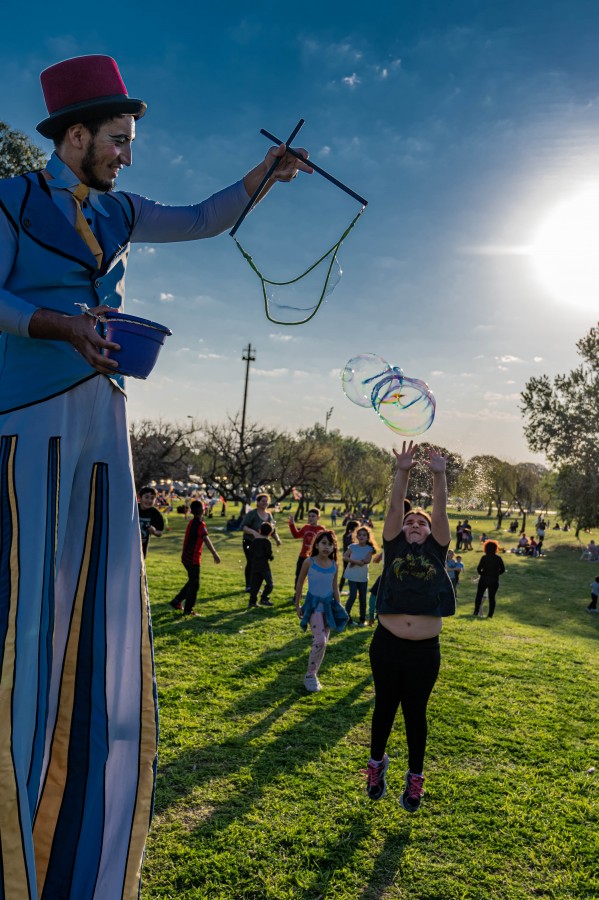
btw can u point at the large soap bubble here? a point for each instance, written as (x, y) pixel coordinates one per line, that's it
(405, 405)
(362, 374)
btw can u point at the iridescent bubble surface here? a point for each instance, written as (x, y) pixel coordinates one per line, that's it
(405, 405)
(362, 374)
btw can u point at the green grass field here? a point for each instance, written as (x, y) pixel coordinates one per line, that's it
(259, 789)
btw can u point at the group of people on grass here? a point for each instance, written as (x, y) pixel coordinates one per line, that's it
(416, 590)
(412, 596)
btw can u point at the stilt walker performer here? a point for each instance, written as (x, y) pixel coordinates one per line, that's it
(78, 720)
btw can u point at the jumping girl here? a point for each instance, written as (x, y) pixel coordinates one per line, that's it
(414, 596)
(322, 608)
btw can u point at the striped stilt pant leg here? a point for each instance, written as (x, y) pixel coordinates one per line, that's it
(78, 716)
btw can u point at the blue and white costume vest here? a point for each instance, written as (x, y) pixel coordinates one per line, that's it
(55, 269)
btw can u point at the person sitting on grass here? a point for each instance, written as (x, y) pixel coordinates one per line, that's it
(522, 544)
(260, 556)
(322, 608)
(307, 533)
(196, 535)
(415, 595)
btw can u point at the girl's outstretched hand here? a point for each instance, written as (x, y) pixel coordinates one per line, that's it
(435, 461)
(405, 459)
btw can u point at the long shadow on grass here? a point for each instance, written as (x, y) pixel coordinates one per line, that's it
(319, 729)
(386, 864)
(355, 835)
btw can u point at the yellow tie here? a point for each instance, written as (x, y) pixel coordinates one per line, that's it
(81, 225)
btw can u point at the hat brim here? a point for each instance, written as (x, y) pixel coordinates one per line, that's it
(90, 109)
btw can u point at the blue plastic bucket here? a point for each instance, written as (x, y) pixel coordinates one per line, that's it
(139, 339)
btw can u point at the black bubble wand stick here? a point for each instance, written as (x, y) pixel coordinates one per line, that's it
(332, 251)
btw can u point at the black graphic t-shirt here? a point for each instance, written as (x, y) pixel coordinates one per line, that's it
(148, 517)
(414, 580)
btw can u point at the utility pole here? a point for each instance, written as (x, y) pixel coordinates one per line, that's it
(248, 358)
(327, 417)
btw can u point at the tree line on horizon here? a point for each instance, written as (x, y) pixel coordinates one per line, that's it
(315, 465)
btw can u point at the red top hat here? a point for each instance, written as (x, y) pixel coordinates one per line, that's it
(85, 87)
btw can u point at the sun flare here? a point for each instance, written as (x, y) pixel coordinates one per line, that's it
(565, 250)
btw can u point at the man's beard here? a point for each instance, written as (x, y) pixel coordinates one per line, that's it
(88, 163)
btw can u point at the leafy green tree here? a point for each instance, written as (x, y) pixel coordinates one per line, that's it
(526, 488)
(364, 472)
(578, 495)
(491, 480)
(560, 421)
(17, 153)
(421, 480)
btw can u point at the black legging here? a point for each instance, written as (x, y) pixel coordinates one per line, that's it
(247, 543)
(486, 584)
(404, 672)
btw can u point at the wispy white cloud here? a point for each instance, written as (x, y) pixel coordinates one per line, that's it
(146, 251)
(351, 81)
(177, 160)
(508, 358)
(437, 373)
(165, 297)
(537, 359)
(270, 373)
(494, 397)
(204, 299)
(487, 415)
(134, 300)
(283, 338)
(182, 350)
(210, 356)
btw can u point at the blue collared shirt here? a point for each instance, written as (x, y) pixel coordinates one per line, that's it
(153, 223)
(62, 185)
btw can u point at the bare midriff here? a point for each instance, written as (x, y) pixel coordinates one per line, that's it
(412, 628)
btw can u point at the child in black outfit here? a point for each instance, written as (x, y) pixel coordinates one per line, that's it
(260, 555)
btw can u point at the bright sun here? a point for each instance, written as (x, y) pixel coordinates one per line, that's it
(566, 250)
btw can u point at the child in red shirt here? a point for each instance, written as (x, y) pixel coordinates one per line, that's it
(196, 536)
(307, 533)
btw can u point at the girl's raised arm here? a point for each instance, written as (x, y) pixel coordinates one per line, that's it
(439, 519)
(394, 519)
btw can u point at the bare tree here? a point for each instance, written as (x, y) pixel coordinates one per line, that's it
(161, 449)
(245, 467)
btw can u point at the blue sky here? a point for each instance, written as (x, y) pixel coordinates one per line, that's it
(464, 124)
